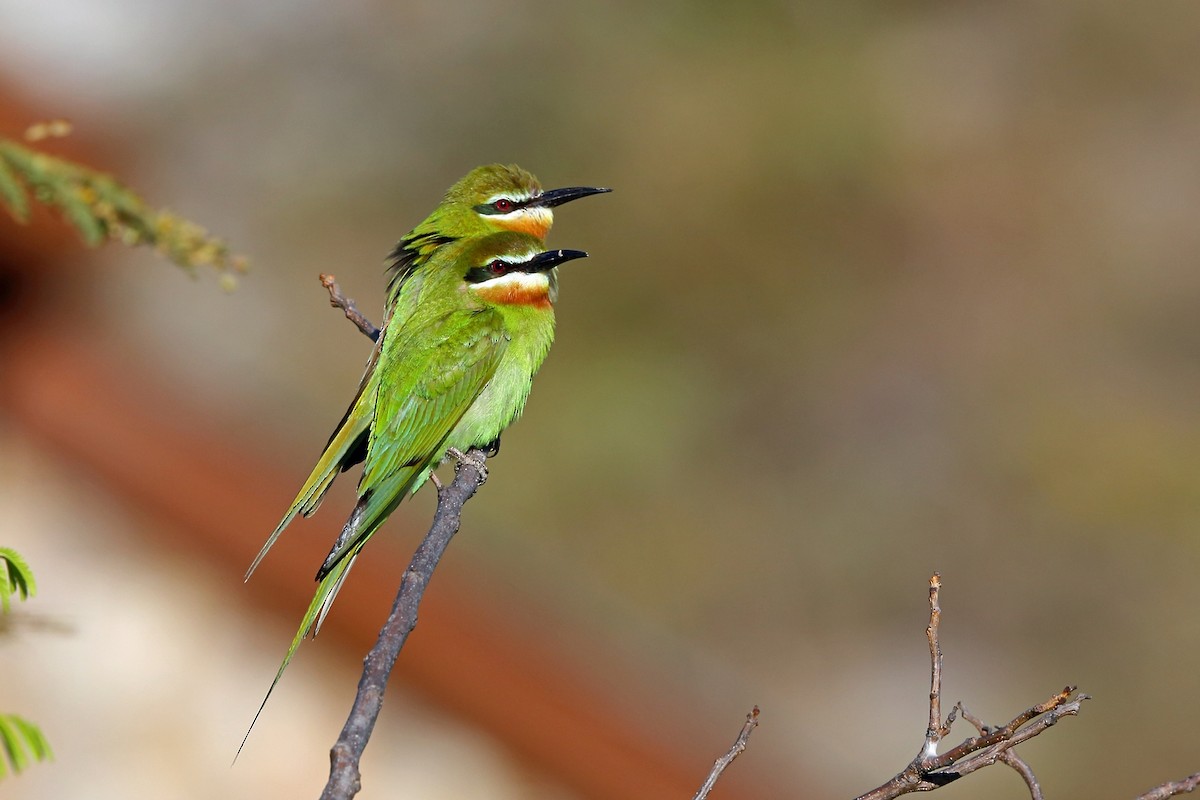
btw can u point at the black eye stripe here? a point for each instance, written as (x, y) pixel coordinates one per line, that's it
(493, 269)
(487, 272)
(493, 209)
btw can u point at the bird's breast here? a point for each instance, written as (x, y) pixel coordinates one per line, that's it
(504, 396)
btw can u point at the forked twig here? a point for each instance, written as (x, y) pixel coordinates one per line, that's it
(929, 770)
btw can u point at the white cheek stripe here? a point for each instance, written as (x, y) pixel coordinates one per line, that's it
(538, 213)
(527, 281)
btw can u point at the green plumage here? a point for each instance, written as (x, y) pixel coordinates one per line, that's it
(453, 374)
(469, 321)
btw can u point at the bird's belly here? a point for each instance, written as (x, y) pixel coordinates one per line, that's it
(500, 402)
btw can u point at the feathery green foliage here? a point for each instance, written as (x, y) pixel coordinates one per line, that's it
(21, 740)
(101, 209)
(15, 578)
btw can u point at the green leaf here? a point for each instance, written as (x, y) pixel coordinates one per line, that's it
(22, 743)
(12, 193)
(15, 577)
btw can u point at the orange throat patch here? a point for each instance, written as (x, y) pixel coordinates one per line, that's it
(534, 221)
(516, 289)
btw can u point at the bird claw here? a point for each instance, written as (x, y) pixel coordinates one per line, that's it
(466, 459)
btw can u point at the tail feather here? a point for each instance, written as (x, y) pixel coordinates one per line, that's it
(363, 522)
(327, 590)
(308, 502)
(327, 603)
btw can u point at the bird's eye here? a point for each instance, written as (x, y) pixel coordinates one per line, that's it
(497, 267)
(504, 205)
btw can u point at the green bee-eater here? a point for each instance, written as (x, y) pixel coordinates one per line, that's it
(470, 319)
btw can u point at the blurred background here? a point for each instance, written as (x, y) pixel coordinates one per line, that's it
(882, 289)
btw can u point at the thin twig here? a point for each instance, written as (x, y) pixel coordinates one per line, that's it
(724, 761)
(936, 729)
(1172, 788)
(339, 300)
(344, 778)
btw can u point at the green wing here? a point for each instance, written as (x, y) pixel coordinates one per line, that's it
(421, 397)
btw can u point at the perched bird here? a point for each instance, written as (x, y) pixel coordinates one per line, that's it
(469, 320)
(488, 199)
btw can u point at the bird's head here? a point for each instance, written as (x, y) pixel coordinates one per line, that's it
(512, 269)
(496, 197)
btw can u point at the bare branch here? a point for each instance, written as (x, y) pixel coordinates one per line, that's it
(1172, 788)
(344, 778)
(724, 761)
(339, 300)
(928, 770)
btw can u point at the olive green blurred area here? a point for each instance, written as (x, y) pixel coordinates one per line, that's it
(882, 289)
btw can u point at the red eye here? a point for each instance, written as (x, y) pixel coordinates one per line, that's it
(497, 267)
(503, 205)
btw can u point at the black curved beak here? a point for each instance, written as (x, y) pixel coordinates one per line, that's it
(550, 259)
(556, 197)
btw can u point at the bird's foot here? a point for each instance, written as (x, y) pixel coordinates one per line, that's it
(475, 461)
(492, 448)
